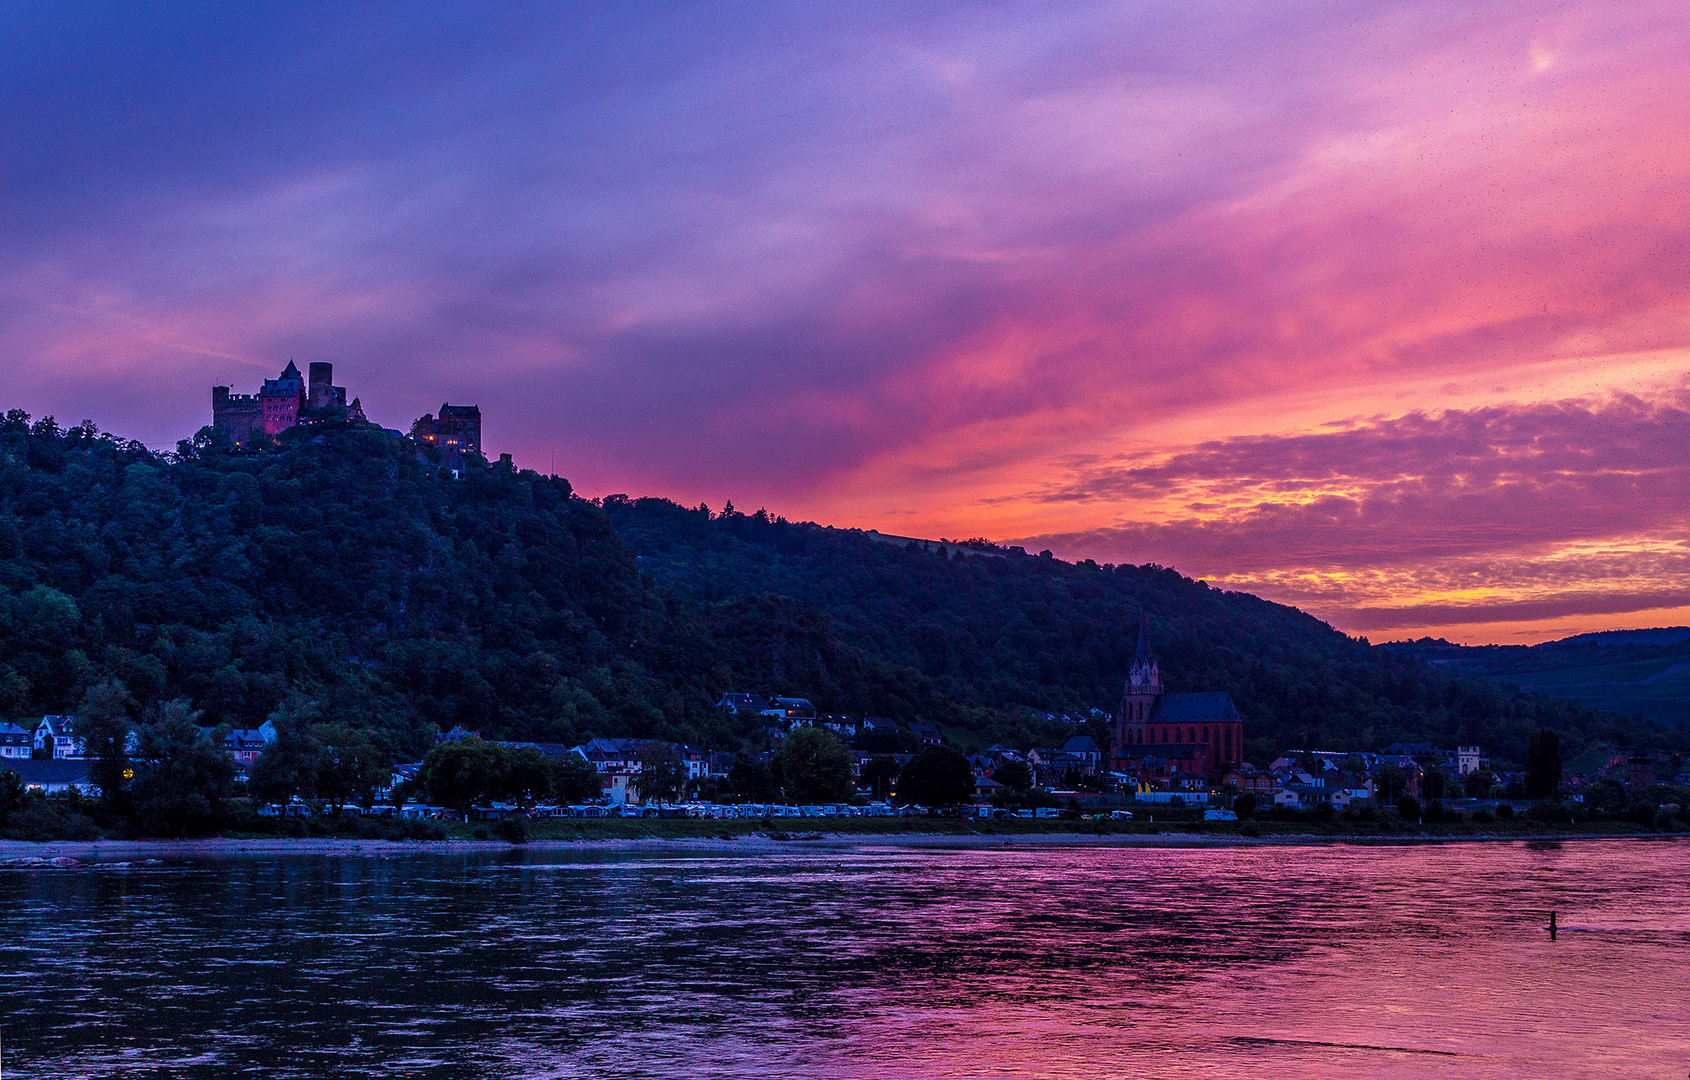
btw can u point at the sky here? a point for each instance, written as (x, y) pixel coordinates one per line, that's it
(1381, 310)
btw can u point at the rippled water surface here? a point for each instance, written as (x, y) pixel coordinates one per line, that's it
(858, 962)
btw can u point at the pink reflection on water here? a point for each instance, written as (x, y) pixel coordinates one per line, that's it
(1424, 962)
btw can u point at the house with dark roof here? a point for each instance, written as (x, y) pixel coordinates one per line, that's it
(1086, 750)
(245, 744)
(985, 787)
(15, 742)
(546, 749)
(735, 704)
(794, 710)
(927, 731)
(53, 776)
(623, 755)
(719, 763)
(1412, 749)
(843, 726)
(1246, 777)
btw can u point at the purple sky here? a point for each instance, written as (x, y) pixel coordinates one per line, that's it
(1377, 309)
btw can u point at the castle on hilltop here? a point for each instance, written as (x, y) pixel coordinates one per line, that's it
(1194, 735)
(280, 404)
(455, 433)
(290, 399)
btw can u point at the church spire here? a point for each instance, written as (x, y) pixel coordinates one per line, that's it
(1145, 675)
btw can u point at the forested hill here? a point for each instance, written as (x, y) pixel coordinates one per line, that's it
(1642, 673)
(985, 633)
(344, 575)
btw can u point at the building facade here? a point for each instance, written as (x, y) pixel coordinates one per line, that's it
(57, 738)
(1201, 734)
(456, 433)
(279, 404)
(15, 742)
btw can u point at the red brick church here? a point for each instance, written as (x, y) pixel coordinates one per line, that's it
(1195, 733)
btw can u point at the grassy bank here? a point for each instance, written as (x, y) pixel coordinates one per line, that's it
(591, 829)
(77, 820)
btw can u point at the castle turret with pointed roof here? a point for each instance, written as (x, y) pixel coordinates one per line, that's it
(1199, 734)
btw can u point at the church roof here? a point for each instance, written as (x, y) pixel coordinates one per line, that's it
(1143, 653)
(1193, 708)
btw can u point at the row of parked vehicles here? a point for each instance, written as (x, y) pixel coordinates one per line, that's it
(720, 811)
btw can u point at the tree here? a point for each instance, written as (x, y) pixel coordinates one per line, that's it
(103, 724)
(1409, 807)
(1543, 764)
(880, 775)
(936, 776)
(1389, 784)
(662, 774)
(1245, 805)
(528, 776)
(288, 767)
(1433, 782)
(12, 793)
(1478, 783)
(573, 779)
(181, 777)
(352, 766)
(752, 779)
(462, 773)
(1015, 775)
(813, 766)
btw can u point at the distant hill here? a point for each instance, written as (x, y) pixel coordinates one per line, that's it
(1639, 673)
(1660, 635)
(988, 638)
(344, 575)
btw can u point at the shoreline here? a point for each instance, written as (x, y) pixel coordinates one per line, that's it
(31, 854)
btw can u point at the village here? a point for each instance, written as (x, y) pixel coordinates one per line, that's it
(1078, 778)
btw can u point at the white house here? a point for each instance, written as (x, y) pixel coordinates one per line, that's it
(57, 736)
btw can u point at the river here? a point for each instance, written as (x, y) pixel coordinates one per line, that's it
(857, 961)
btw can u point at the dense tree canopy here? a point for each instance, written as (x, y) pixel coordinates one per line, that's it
(814, 766)
(936, 776)
(344, 583)
(982, 639)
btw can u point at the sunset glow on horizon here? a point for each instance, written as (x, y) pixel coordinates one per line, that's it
(1378, 310)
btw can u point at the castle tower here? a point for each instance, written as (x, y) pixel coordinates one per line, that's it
(321, 385)
(1144, 685)
(322, 392)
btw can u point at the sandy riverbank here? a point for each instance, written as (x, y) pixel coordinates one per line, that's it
(30, 853)
(23, 854)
